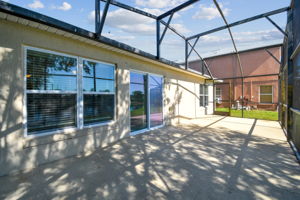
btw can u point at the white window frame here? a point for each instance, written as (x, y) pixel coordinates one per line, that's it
(79, 95)
(148, 102)
(101, 93)
(265, 94)
(203, 95)
(220, 96)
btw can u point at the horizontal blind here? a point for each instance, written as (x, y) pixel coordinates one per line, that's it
(203, 96)
(47, 71)
(266, 89)
(53, 78)
(265, 98)
(266, 95)
(50, 111)
(52, 93)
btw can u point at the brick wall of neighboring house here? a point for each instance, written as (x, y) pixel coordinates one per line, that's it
(254, 62)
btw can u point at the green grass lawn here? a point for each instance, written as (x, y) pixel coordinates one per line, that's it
(138, 112)
(256, 114)
(141, 111)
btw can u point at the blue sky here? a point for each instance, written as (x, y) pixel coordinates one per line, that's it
(139, 31)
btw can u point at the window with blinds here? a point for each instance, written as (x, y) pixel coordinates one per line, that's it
(266, 94)
(51, 91)
(57, 96)
(98, 92)
(203, 95)
(47, 71)
(50, 111)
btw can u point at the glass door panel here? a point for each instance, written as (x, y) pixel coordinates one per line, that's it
(138, 101)
(156, 100)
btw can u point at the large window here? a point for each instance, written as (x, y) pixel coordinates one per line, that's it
(266, 94)
(203, 95)
(57, 93)
(98, 92)
(51, 91)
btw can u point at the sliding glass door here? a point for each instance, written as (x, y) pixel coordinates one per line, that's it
(156, 100)
(138, 101)
(146, 101)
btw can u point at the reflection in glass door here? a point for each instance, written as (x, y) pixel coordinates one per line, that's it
(156, 100)
(146, 98)
(138, 101)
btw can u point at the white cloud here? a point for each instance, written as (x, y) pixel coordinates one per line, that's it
(65, 6)
(213, 39)
(153, 11)
(91, 17)
(36, 4)
(127, 21)
(264, 35)
(133, 23)
(158, 3)
(242, 37)
(180, 28)
(158, 7)
(157, 12)
(187, 8)
(210, 45)
(210, 12)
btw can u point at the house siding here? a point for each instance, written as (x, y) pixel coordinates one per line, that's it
(17, 152)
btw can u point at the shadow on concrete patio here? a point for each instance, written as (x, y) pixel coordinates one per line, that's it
(212, 158)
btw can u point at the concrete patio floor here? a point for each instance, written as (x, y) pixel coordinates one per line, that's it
(211, 158)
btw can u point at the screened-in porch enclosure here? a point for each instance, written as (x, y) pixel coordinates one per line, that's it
(86, 113)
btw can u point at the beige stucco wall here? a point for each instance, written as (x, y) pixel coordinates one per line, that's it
(17, 152)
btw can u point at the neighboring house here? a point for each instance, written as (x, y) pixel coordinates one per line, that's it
(259, 92)
(65, 92)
